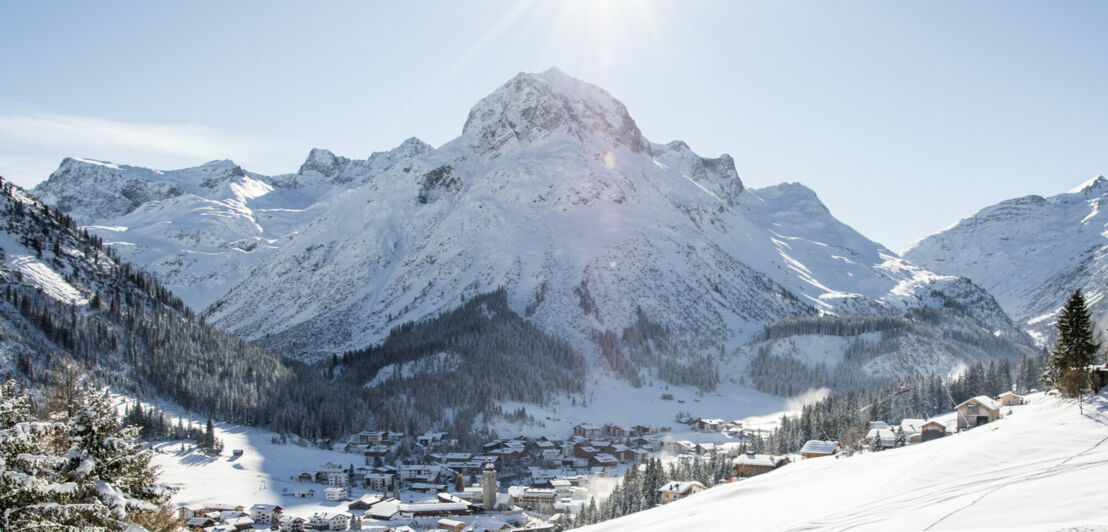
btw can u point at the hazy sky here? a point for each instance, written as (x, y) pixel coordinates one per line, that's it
(903, 117)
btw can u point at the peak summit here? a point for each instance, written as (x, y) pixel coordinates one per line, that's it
(532, 108)
(1096, 185)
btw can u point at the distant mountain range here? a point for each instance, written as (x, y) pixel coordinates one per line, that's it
(647, 258)
(1030, 253)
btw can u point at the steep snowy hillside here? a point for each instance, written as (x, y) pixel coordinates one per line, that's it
(1030, 253)
(201, 230)
(67, 301)
(552, 192)
(1038, 468)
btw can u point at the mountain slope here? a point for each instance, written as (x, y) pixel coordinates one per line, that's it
(552, 192)
(67, 300)
(201, 230)
(1030, 253)
(1035, 469)
(648, 259)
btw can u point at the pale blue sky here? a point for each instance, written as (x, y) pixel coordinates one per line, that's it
(903, 117)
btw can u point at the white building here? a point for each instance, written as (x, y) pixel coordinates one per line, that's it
(334, 494)
(338, 478)
(265, 513)
(330, 521)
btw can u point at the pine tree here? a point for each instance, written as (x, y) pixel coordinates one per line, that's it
(83, 471)
(112, 472)
(1075, 349)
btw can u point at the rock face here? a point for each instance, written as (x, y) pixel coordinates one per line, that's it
(1031, 253)
(552, 193)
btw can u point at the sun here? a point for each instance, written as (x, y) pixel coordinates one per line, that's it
(605, 33)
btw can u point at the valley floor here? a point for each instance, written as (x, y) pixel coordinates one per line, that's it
(1041, 467)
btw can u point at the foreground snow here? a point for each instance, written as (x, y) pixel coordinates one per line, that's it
(1040, 468)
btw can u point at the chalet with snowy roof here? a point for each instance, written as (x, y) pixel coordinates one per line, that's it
(432, 509)
(199, 523)
(428, 439)
(977, 411)
(708, 425)
(509, 452)
(1010, 398)
(426, 487)
(910, 427)
(587, 430)
(932, 430)
(451, 525)
(679, 490)
(243, 522)
(581, 450)
(454, 458)
(603, 460)
(704, 448)
(334, 494)
(264, 514)
(385, 510)
(289, 523)
(886, 436)
(818, 448)
(305, 477)
(617, 431)
(682, 446)
(220, 507)
(364, 503)
(748, 465)
(641, 430)
(329, 521)
(304, 494)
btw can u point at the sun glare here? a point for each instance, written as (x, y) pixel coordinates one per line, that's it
(604, 32)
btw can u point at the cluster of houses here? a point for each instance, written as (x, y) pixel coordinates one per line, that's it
(228, 518)
(546, 479)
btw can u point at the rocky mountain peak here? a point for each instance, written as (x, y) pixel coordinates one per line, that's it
(531, 108)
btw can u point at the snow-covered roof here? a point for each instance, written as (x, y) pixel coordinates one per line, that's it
(680, 487)
(427, 507)
(911, 424)
(820, 447)
(983, 400)
(765, 460)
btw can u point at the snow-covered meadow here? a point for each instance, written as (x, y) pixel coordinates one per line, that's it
(1040, 467)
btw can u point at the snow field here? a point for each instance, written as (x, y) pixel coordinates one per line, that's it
(1039, 468)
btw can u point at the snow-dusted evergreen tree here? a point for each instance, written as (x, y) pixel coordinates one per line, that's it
(112, 472)
(79, 472)
(30, 482)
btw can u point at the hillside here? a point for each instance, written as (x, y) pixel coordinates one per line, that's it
(1035, 469)
(1031, 253)
(66, 300)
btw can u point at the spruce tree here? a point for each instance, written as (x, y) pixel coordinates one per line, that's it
(1075, 349)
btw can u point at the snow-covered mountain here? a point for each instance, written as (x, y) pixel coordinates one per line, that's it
(552, 192)
(1031, 253)
(202, 230)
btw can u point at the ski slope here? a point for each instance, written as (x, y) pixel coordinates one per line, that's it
(1041, 467)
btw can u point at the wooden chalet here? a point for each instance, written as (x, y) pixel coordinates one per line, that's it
(748, 465)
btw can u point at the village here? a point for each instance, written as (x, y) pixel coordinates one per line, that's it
(523, 483)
